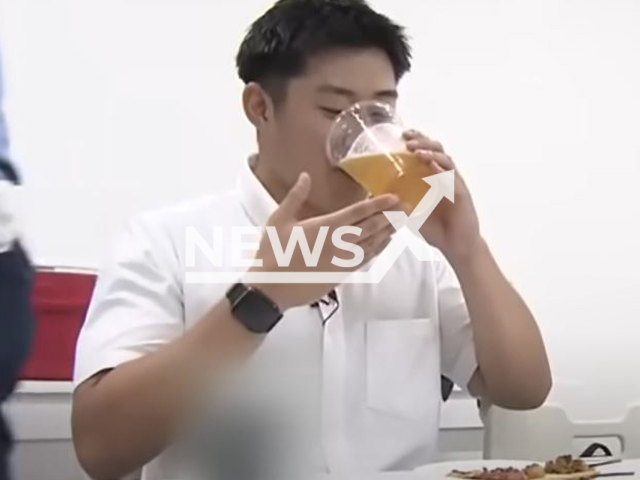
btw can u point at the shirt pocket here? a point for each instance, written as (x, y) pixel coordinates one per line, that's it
(403, 367)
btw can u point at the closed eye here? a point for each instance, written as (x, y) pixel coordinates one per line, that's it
(331, 111)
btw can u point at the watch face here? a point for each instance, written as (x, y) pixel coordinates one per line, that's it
(256, 312)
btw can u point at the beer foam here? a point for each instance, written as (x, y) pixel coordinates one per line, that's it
(380, 138)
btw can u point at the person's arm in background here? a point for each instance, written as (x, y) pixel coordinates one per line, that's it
(16, 318)
(16, 330)
(16, 275)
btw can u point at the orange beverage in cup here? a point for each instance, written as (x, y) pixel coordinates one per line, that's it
(366, 142)
(401, 173)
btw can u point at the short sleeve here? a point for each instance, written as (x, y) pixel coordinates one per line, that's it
(458, 355)
(137, 303)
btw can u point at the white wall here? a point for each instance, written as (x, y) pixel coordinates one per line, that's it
(123, 105)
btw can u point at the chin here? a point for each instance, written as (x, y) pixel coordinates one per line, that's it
(339, 191)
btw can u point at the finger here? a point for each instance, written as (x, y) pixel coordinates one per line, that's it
(375, 253)
(374, 225)
(419, 141)
(443, 160)
(371, 227)
(360, 211)
(375, 245)
(412, 134)
(292, 203)
(435, 167)
(425, 144)
(371, 242)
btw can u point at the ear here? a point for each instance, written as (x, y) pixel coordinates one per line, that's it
(258, 106)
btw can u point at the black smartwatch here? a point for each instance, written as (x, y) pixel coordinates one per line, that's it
(253, 309)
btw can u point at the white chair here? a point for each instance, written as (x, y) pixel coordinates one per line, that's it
(548, 432)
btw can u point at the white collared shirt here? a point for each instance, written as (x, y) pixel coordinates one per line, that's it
(376, 363)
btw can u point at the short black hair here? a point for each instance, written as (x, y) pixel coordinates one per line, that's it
(279, 43)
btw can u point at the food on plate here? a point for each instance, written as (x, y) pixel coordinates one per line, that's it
(534, 471)
(509, 473)
(567, 464)
(564, 467)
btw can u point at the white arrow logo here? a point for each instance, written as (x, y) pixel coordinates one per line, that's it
(442, 185)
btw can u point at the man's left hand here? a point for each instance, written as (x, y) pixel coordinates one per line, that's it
(453, 228)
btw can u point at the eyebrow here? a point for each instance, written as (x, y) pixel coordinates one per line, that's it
(345, 92)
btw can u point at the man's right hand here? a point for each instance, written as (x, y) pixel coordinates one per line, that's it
(367, 215)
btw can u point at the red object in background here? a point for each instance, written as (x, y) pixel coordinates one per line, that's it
(60, 302)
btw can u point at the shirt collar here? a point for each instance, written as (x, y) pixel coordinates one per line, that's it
(256, 200)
